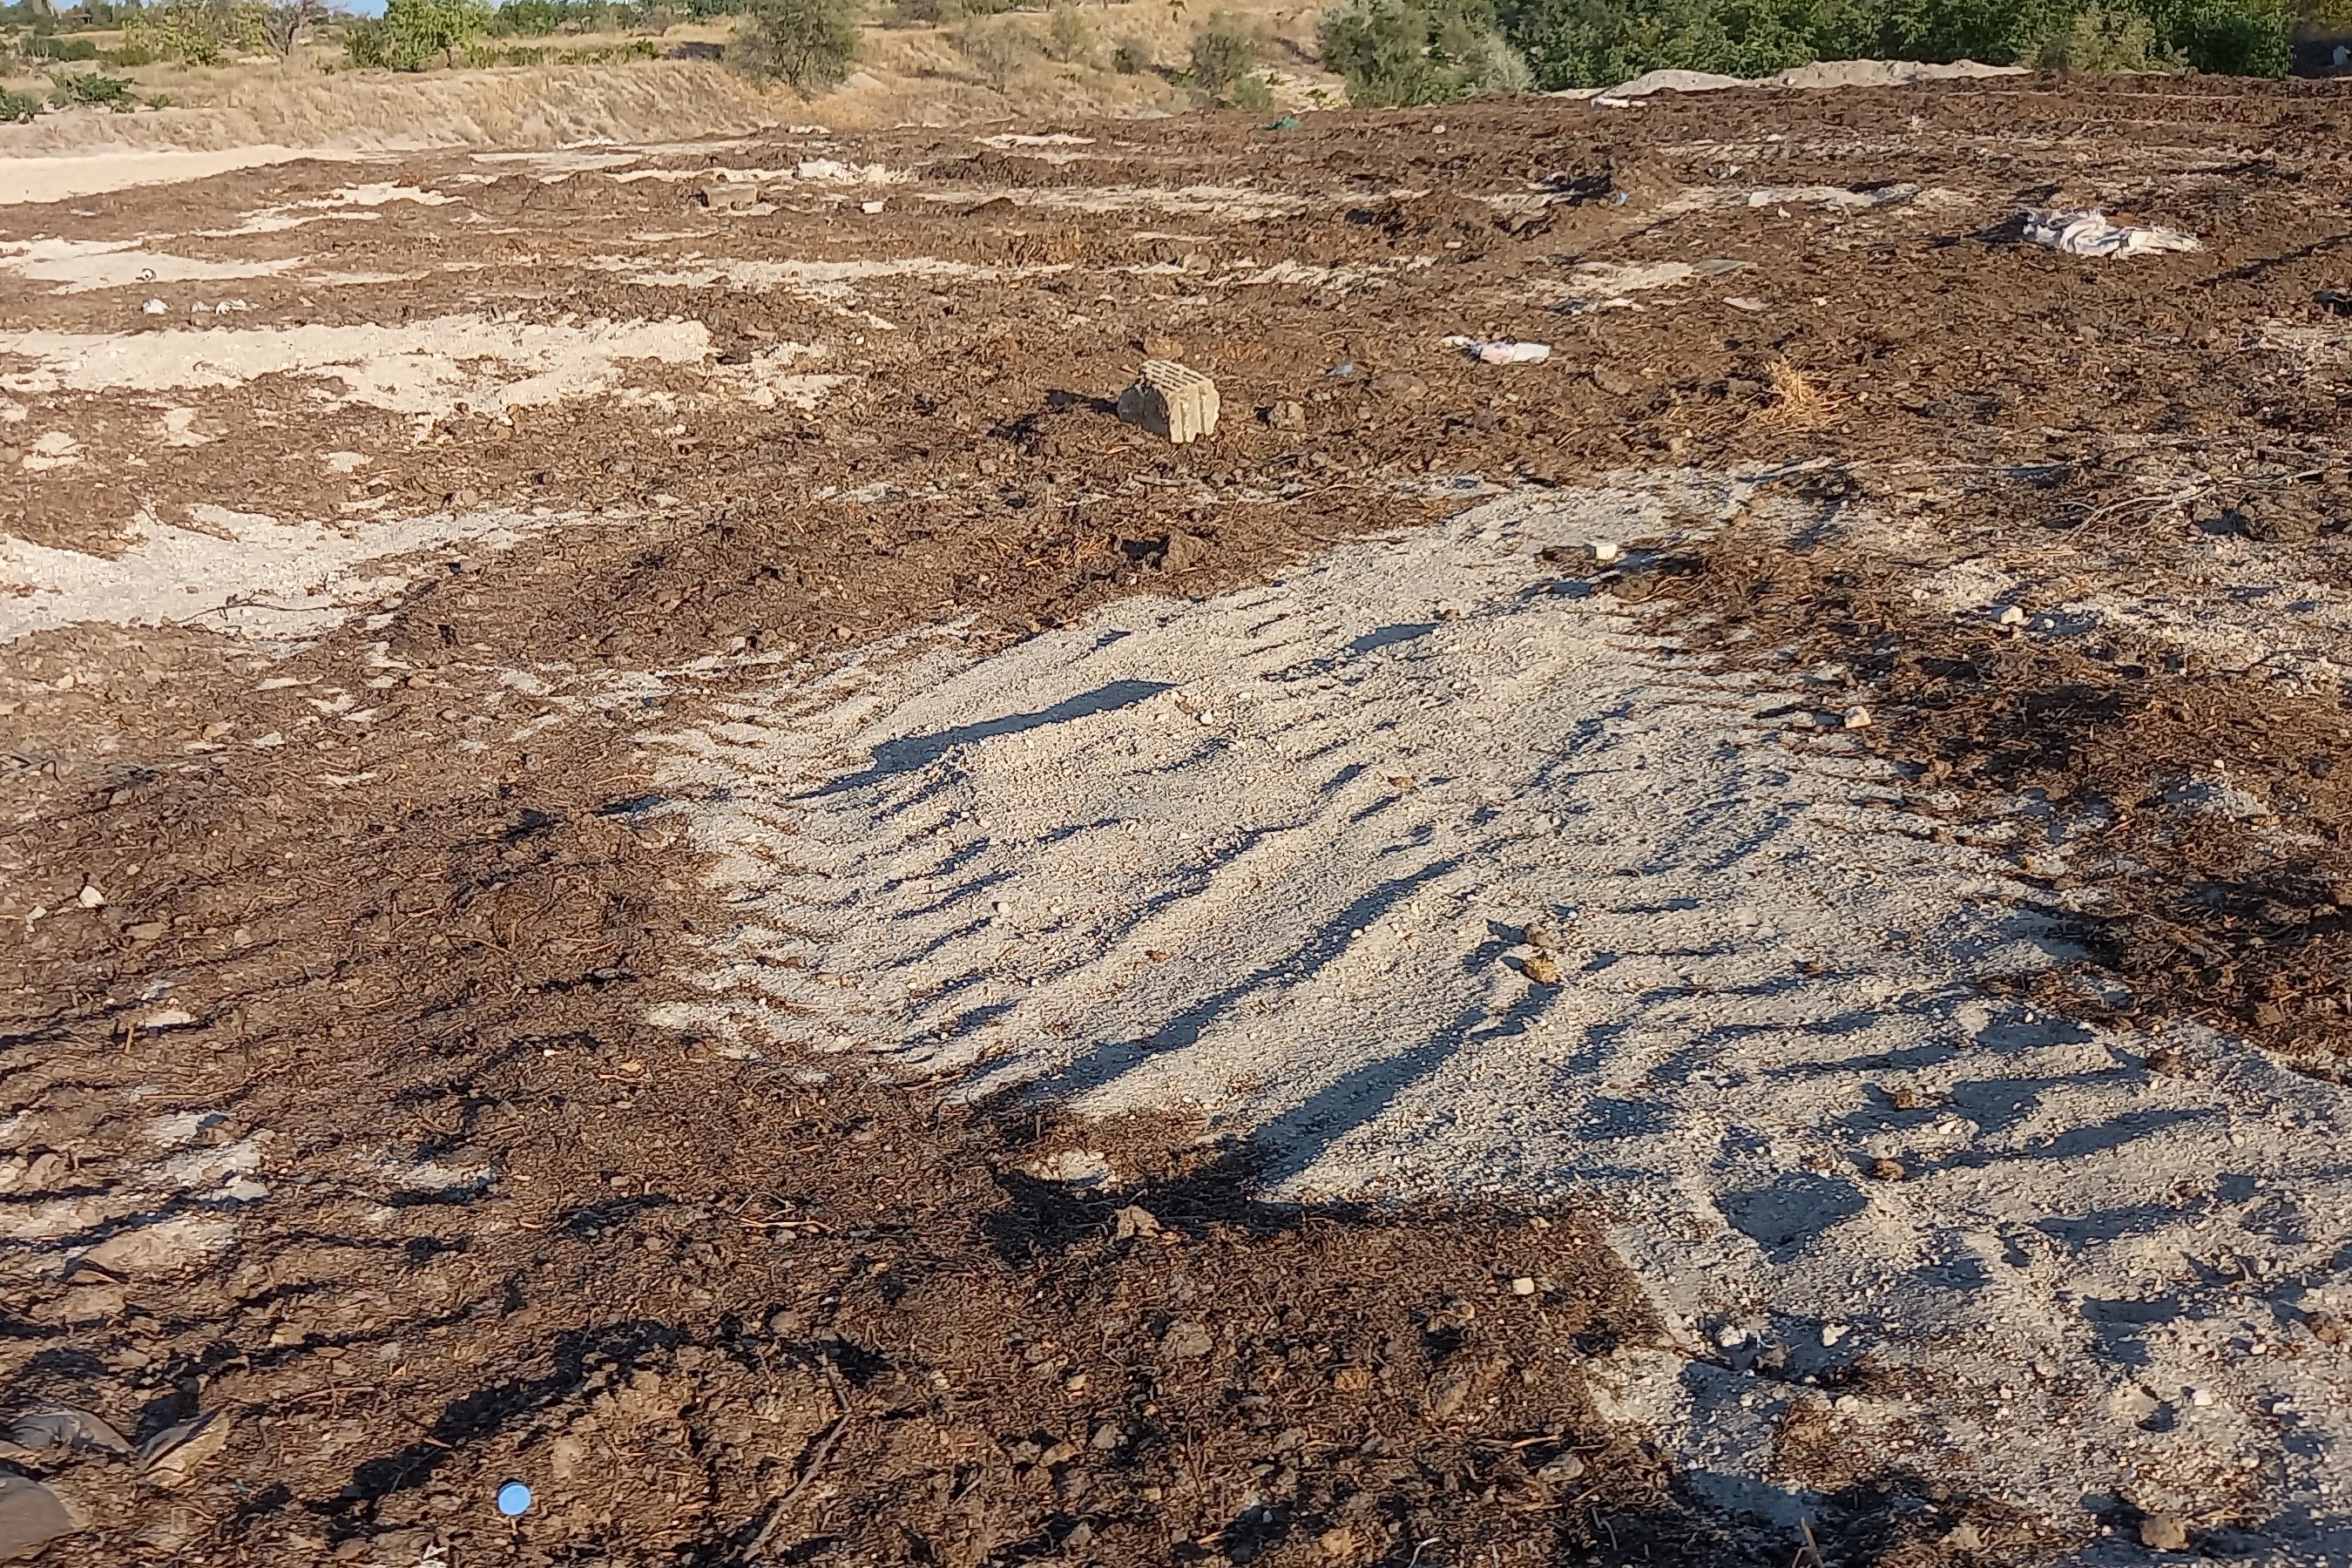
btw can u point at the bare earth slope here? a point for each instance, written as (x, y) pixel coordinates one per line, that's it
(646, 852)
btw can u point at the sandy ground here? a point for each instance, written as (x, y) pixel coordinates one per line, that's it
(647, 853)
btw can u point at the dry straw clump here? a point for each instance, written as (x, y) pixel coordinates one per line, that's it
(1797, 403)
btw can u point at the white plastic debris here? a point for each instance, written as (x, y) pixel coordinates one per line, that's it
(1606, 550)
(1501, 351)
(870, 208)
(2090, 234)
(153, 307)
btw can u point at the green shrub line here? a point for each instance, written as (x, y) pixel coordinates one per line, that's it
(1596, 43)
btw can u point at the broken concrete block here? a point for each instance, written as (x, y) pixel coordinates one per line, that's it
(729, 196)
(1171, 400)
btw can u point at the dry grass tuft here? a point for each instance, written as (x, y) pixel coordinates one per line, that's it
(1797, 403)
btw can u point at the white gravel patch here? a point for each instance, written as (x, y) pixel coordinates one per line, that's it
(242, 573)
(1270, 855)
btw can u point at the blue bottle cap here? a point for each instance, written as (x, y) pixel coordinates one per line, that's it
(514, 1497)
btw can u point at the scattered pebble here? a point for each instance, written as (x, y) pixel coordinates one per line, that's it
(1832, 1333)
(1567, 1468)
(1857, 719)
(1885, 1170)
(1523, 1286)
(1539, 968)
(2163, 1533)
(1185, 1341)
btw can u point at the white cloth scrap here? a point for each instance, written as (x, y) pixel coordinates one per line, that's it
(2090, 234)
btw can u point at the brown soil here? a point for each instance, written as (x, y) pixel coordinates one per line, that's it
(719, 1312)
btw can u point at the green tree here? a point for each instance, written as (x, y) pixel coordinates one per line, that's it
(1420, 51)
(808, 43)
(1069, 35)
(1222, 53)
(996, 48)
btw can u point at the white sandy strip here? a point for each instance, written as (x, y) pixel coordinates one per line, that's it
(62, 178)
(810, 280)
(1267, 855)
(81, 266)
(240, 572)
(423, 368)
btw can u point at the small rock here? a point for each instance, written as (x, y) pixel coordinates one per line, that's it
(1171, 401)
(1539, 968)
(1604, 551)
(1904, 1097)
(1539, 934)
(1185, 1341)
(1184, 551)
(1857, 719)
(153, 307)
(65, 1428)
(1832, 1333)
(729, 196)
(1286, 414)
(1885, 1170)
(30, 1515)
(2331, 1327)
(89, 898)
(1615, 382)
(2168, 1063)
(1136, 1220)
(173, 1454)
(1567, 1468)
(1523, 1286)
(2014, 615)
(2163, 1533)
(1447, 1393)
(871, 209)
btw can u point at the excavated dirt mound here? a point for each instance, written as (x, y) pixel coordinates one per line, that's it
(605, 788)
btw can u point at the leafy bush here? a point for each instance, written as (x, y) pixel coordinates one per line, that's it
(1132, 58)
(1420, 51)
(2097, 39)
(536, 18)
(1255, 91)
(1596, 43)
(199, 32)
(411, 32)
(112, 92)
(1069, 35)
(996, 49)
(1223, 53)
(53, 47)
(809, 44)
(18, 107)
